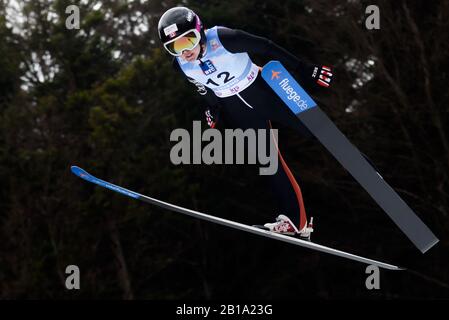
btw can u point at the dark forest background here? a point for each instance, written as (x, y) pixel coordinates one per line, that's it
(105, 97)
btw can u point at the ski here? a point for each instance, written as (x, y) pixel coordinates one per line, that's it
(236, 225)
(308, 112)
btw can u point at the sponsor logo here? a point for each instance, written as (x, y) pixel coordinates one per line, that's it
(275, 74)
(214, 44)
(199, 86)
(251, 76)
(285, 86)
(208, 67)
(170, 30)
(236, 89)
(292, 94)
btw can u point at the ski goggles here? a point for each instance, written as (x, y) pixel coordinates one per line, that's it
(186, 41)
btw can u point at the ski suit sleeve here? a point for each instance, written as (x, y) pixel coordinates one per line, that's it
(235, 41)
(212, 110)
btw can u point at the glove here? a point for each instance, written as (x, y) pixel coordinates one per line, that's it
(210, 118)
(322, 75)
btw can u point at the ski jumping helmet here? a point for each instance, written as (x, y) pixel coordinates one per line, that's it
(181, 29)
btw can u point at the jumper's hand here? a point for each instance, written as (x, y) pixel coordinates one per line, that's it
(322, 75)
(211, 121)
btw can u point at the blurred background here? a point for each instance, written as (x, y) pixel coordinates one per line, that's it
(106, 98)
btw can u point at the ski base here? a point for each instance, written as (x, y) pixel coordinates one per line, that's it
(236, 225)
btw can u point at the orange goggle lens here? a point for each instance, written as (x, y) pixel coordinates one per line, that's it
(187, 42)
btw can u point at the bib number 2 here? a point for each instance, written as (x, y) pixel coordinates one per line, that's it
(227, 77)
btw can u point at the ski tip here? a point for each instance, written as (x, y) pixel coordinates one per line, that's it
(78, 171)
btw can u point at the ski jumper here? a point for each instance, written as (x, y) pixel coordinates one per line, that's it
(236, 93)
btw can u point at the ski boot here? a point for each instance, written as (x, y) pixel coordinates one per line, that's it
(284, 225)
(306, 232)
